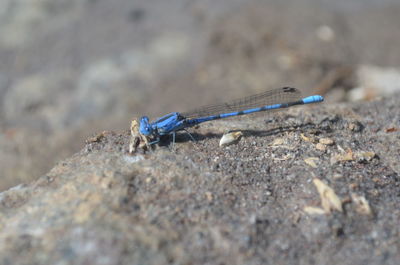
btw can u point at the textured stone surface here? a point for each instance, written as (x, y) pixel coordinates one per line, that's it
(203, 204)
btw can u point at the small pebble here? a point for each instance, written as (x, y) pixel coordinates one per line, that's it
(365, 156)
(311, 161)
(313, 210)
(337, 176)
(362, 205)
(329, 200)
(320, 147)
(392, 129)
(348, 156)
(278, 141)
(209, 196)
(230, 138)
(306, 138)
(326, 141)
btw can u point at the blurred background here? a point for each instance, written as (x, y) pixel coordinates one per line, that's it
(72, 68)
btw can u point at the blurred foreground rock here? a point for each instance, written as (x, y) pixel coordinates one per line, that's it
(253, 202)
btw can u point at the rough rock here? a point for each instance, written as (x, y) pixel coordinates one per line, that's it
(204, 204)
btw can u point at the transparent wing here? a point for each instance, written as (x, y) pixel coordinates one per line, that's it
(270, 97)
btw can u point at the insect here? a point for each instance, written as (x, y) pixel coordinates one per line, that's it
(269, 100)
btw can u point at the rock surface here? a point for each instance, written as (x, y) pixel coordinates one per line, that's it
(202, 204)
